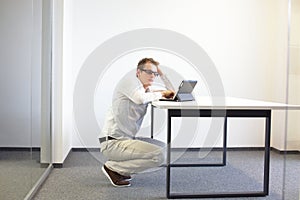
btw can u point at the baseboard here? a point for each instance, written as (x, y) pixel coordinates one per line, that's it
(57, 165)
(82, 149)
(29, 149)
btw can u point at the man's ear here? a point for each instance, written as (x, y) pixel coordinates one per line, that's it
(138, 72)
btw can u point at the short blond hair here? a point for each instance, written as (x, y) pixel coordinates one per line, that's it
(142, 62)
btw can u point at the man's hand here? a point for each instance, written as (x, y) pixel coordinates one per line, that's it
(168, 94)
(159, 71)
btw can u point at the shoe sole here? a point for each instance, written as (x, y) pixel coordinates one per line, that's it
(107, 175)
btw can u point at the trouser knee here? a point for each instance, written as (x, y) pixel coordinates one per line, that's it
(159, 158)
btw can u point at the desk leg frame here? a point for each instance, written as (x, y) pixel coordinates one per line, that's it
(232, 113)
(225, 141)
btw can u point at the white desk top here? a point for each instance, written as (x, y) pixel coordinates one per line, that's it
(224, 103)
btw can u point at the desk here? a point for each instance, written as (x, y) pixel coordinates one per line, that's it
(222, 107)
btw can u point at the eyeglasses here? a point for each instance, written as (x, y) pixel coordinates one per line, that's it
(149, 72)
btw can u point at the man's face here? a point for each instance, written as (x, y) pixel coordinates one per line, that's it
(147, 74)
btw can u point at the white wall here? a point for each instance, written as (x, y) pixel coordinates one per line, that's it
(20, 73)
(245, 39)
(293, 134)
(61, 137)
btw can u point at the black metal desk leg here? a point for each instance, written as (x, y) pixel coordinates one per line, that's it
(267, 153)
(152, 112)
(225, 141)
(168, 178)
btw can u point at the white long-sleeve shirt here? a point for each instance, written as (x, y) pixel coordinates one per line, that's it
(129, 106)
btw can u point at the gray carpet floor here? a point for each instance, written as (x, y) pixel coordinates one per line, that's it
(19, 171)
(82, 178)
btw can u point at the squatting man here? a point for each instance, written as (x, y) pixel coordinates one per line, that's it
(127, 155)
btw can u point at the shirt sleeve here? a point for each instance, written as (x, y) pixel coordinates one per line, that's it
(135, 91)
(142, 97)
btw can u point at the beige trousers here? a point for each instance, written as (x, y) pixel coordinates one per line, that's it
(131, 156)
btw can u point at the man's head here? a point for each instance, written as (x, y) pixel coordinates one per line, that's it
(146, 71)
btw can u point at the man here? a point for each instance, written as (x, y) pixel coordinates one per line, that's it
(127, 155)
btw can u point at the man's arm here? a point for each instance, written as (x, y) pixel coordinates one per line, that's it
(165, 79)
